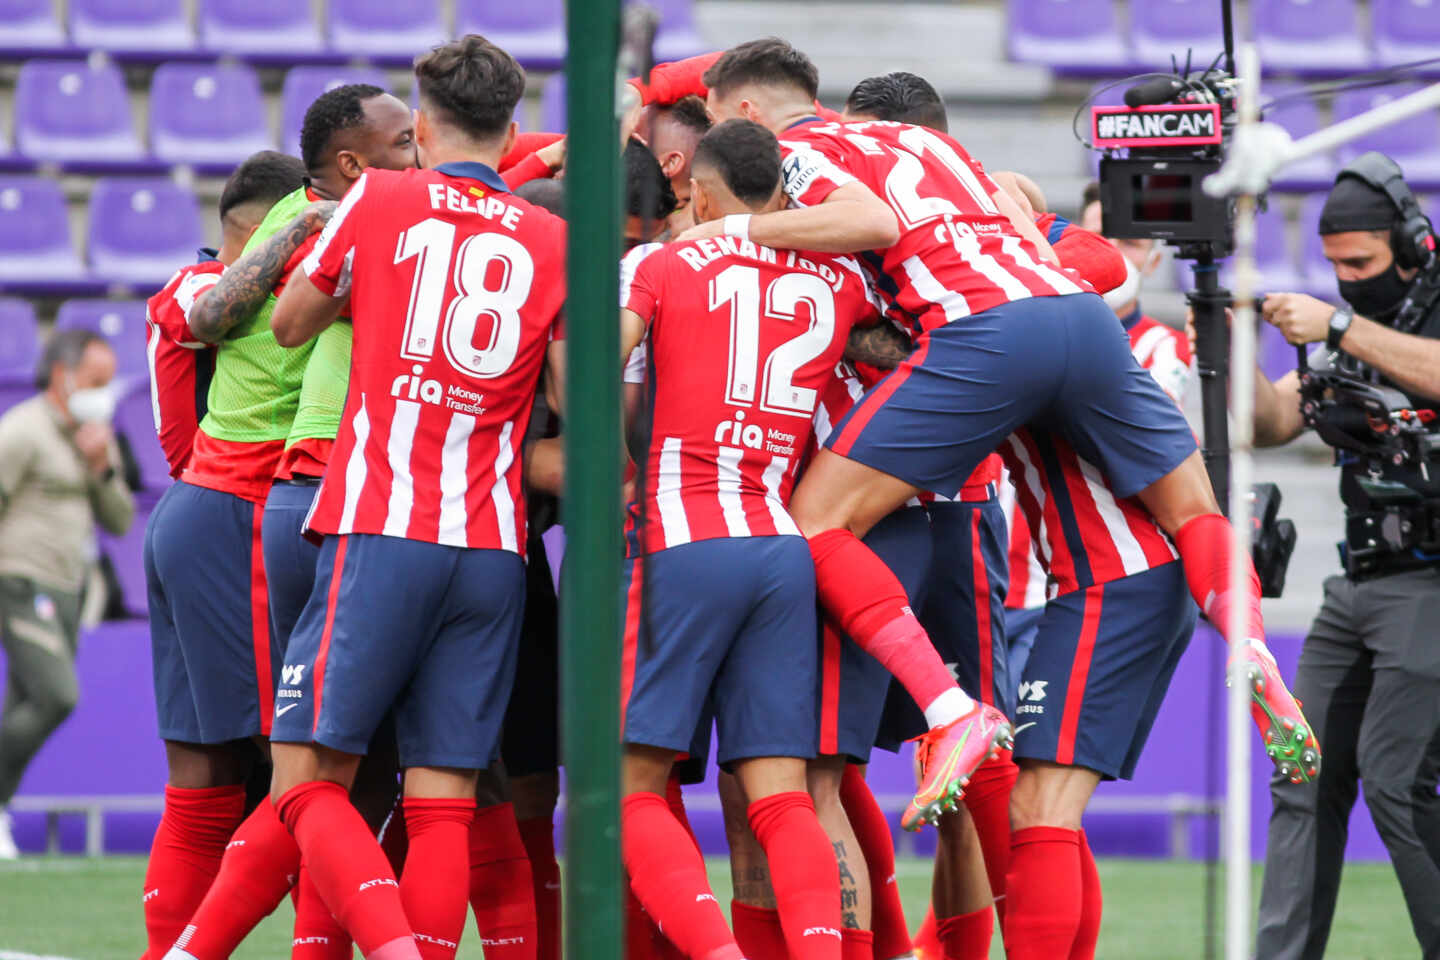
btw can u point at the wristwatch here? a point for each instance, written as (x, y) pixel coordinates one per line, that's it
(1339, 323)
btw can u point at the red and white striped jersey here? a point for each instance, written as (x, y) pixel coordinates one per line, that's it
(455, 291)
(1057, 491)
(742, 339)
(180, 364)
(957, 254)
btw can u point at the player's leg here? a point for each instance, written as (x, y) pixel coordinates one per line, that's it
(290, 561)
(501, 885)
(213, 666)
(752, 903)
(961, 901)
(963, 611)
(872, 831)
(1117, 417)
(683, 606)
(530, 746)
(764, 696)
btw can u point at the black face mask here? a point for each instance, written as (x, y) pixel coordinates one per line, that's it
(1378, 297)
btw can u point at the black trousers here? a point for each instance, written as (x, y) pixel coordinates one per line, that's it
(1369, 678)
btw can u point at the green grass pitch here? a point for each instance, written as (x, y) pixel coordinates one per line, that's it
(77, 909)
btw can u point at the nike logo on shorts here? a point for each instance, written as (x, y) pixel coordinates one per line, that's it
(285, 709)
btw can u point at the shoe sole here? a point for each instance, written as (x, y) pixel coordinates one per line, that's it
(949, 799)
(1285, 739)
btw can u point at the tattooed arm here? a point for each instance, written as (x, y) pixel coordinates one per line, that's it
(246, 283)
(881, 345)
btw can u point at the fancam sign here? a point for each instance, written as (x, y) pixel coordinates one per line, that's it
(1168, 125)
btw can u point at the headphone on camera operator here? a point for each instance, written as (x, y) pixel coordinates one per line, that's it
(1373, 394)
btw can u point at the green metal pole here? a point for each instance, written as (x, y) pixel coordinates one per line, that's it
(590, 601)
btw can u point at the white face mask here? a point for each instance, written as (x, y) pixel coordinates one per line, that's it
(95, 405)
(1126, 292)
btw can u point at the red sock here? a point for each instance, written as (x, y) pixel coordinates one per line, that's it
(502, 888)
(968, 936)
(863, 596)
(1091, 902)
(758, 932)
(318, 935)
(1204, 546)
(437, 873)
(260, 867)
(675, 800)
(927, 938)
(349, 869)
(538, 835)
(891, 935)
(668, 875)
(988, 800)
(1044, 887)
(856, 944)
(184, 858)
(803, 872)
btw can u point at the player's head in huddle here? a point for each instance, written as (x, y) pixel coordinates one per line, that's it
(251, 191)
(672, 133)
(767, 81)
(899, 96)
(649, 198)
(468, 92)
(350, 128)
(736, 170)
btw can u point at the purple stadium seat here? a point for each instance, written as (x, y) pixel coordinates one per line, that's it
(1310, 35)
(19, 337)
(66, 110)
(35, 232)
(260, 27)
(1067, 34)
(304, 84)
(135, 417)
(1405, 30)
(1162, 28)
(206, 113)
(1274, 256)
(142, 230)
(533, 31)
(1413, 143)
(552, 104)
(1300, 117)
(384, 28)
(677, 37)
(1276, 354)
(1319, 275)
(29, 24)
(127, 551)
(122, 322)
(143, 26)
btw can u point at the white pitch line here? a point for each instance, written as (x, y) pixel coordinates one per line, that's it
(17, 955)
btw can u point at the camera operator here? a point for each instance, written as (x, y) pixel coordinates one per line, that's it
(1369, 673)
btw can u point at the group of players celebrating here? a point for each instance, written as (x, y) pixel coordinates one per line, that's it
(835, 327)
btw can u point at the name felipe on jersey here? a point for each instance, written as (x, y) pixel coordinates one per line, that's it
(445, 197)
(456, 397)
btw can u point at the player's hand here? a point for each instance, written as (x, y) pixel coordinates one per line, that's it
(703, 231)
(1301, 318)
(554, 154)
(318, 214)
(93, 441)
(630, 106)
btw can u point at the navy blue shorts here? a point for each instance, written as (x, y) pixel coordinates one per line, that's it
(853, 685)
(428, 629)
(212, 650)
(1102, 662)
(732, 621)
(1061, 362)
(962, 611)
(290, 557)
(1020, 628)
(531, 741)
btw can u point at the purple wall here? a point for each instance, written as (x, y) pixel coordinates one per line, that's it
(109, 746)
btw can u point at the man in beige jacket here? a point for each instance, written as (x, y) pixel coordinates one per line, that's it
(59, 476)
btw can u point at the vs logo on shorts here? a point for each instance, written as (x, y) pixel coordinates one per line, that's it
(291, 676)
(1031, 693)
